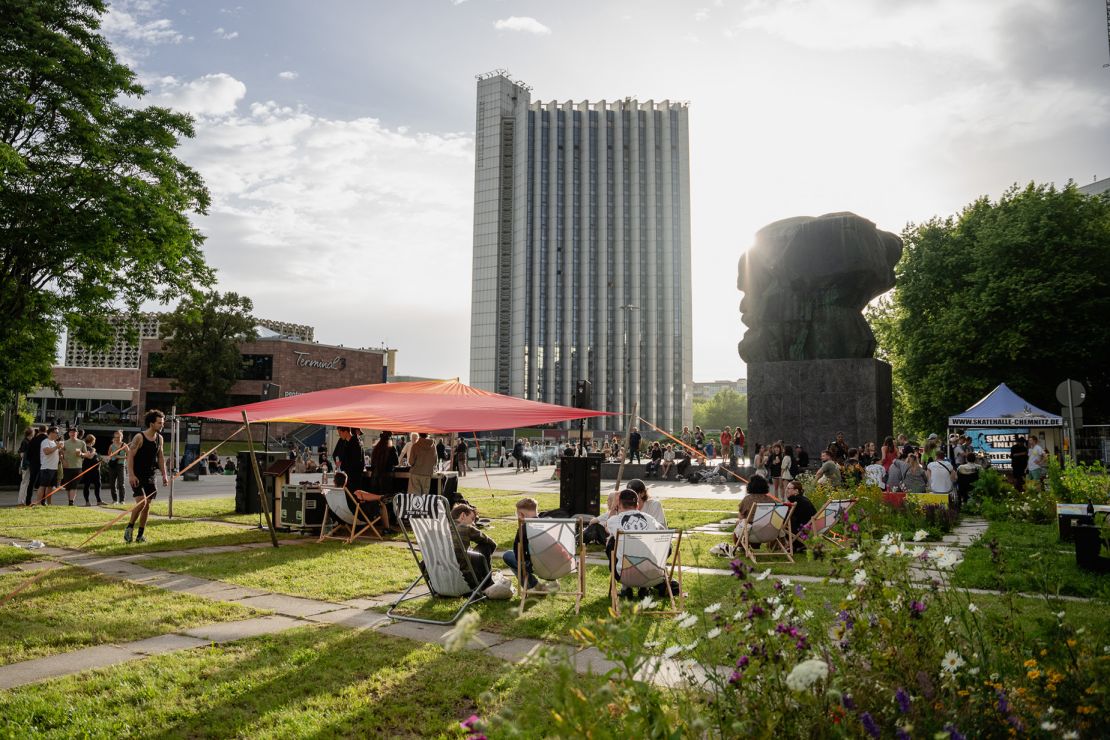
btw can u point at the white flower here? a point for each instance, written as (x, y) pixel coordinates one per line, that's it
(952, 662)
(1046, 725)
(974, 671)
(651, 644)
(1071, 735)
(916, 552)
(853, 556)
(938, 552)
(772, 601)
(689, 622)
(887, 539)
(648, 603)
(777, 613)
(787, 583)
(807, 614)
(948, 620)
(920, 535)
(681, 616)
(972, 608)
(672, 651)
(896, 601)
(1059, 615)
(715, 632)
(713, 608)
(763, 576)
(807, 673)
(690, 648)
(460, 636)
(948, 560)
(747, 627)
(850, 597)
(859, 577)
(739, 615)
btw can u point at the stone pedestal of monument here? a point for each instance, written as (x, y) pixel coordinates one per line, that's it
(808, 401)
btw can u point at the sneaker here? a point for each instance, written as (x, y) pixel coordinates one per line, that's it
(626, 593)
(140, 539)
(127, 534)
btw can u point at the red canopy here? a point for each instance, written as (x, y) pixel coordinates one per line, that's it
(436, 406)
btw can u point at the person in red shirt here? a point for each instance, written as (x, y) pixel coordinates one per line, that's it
(726, 444)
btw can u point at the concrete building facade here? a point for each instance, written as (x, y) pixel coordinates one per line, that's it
(582, 252)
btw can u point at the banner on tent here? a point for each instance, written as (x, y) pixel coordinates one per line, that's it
(995, 443)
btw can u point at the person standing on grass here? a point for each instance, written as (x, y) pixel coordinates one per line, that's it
(1037, 459)
(144, 458)
(422, 459)
(73, 455)
(50, 457)
(31, 455)
(91, 463)
(117, 467)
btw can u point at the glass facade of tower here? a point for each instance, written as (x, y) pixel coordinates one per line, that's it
(582, 252)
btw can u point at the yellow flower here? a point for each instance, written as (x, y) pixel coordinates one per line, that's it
(1031, 663)
(1034, 674)
(1044, 652)
(1071, 643)
(1084, 709)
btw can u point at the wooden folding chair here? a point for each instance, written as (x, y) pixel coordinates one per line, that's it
(348, 518)
(556, 550)
(767, 524)
(639, 560)
(831, 514)
(427, 518)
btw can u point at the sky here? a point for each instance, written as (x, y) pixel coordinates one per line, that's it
(337, 137)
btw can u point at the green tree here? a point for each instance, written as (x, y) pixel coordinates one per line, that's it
(93, 203)
(726, 409)
(201, 347)
(1013, 291)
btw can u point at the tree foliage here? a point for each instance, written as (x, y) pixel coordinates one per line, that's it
(726, 409)
(1013, 291)
(93, 203)
(201, 347)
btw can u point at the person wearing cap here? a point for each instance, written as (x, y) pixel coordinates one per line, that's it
(930, 453)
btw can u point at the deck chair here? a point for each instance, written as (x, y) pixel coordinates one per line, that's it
(767, 524)
(639, 560)
(831, 513)
(348, 516)
(428, 520)
(556, 550)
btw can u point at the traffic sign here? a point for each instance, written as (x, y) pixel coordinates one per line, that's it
(1078, 393)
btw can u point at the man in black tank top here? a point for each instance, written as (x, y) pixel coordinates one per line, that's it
(144, 459)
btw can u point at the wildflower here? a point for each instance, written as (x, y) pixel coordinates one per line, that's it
(735, 677)
(672, 651)
(938, 552)
(461, 635)
(947, 560)
(917, 552)
(777, 613)
(651, 644)
(859, 577)
(953, 733)
(1031, 663)
(848, 702)
(690, 647)
(798, 590)
(917, 607)
(952, 662)
(972, 608)
(807, 673)
(974, 670)
(689, 622)
(948, 620)
(1071, 735)
(853, 556)
(713, 608)
(807, 614)
(903, 700)
(469, 722)
(1034, 674)
(887, 539)
(869, 725)
(648, 603)
(715, 632)
(742, 662)
(786, 582)
(1060, 615)
(1046, 725)
(680, 616)
(763, 576)
(920, 535)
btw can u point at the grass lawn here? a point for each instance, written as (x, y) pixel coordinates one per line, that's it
(13, 555)
(221, 508)
(1033, 560)
(312, 682)
(71, 609)
(330, 570)
(70, 526)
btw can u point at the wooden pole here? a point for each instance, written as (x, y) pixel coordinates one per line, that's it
(258, 482)
(627, 441)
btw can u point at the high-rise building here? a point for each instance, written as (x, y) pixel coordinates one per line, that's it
(582, 251)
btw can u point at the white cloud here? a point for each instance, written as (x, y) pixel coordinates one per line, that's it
(226, 35)
(361, 230)
(288, 75)
(521, 23)
(210, 95)
(132, 27)
(701, 15)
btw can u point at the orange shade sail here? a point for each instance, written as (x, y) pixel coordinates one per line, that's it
(434, 406)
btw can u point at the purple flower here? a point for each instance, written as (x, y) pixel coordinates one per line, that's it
(848, 702)
(739, 569)
(903, 700)
(1003, 704)
(801, 644)
(743, 662)
(902, 734)
(853, 527)
(798, 590)
(756, 611)
(869, 724)
(917, 607)
(469, 722)
(735, 677)
(953, 733)
(778, 585)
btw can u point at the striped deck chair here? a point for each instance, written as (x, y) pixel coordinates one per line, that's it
(429, 521)
(767, 524)
(639, 560)
(347, 516)
(556, 550)
(831, 514)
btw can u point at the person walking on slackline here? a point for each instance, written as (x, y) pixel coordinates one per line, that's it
(144, 457)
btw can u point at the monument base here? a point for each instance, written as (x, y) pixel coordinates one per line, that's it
(807, 402)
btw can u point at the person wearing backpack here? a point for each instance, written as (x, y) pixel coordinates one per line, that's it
(941, 476)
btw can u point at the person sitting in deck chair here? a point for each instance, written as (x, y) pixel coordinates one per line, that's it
(464, 516)
(631, 519)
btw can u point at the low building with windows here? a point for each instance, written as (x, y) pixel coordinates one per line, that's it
(705, 391)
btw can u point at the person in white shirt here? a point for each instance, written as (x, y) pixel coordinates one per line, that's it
(629, 519)
(1037, 459)
(668, 462)
(50, 455)
(941, 475)
(646, 503)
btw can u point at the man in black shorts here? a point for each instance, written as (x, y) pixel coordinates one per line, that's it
(144, 458)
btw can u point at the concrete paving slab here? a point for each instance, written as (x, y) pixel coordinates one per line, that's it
(229, 592)
(228, 631)
(33, 671)
(417, 631)
(351, 617)
(38, 565)
(164, 644)
(591, 660)
(516, 650)
(289, 605)
(180, 583)
(371, 602)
